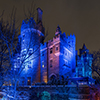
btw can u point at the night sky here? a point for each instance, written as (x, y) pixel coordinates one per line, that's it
(81, 17)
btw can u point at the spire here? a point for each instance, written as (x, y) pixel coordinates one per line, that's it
(58, 30)
(84, 47)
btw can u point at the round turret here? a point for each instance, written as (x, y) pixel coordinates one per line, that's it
(28, 23)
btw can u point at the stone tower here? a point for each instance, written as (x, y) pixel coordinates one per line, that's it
(84, 63)
(31, 37)
(58, 56)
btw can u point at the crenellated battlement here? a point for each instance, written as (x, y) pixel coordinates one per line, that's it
(28, 23)
(42, 46)
(50, 42)
(71, 38)
(63, 37)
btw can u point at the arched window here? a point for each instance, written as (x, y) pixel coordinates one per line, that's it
(52, 77)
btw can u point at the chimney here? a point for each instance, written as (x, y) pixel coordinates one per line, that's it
(39, 15)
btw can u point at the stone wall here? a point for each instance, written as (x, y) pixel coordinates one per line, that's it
(57, 92)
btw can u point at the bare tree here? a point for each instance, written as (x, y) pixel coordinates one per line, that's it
(8, 43)
(18, 53)
(8, 34)
(96, 62)
(14, 56)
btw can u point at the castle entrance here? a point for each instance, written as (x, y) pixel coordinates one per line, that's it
(52, 77)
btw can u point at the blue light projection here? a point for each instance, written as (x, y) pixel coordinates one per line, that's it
(67, 59)
(55, 57)
(30, 44)
(84, 63)
(30, 48)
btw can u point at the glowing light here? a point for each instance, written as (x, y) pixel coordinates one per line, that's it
(29, 86)
(10, 84)
(3, 84)
(43, 66)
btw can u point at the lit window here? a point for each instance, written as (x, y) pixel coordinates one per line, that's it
(28, 80)
(51, 50)
(15, 66)
(42, 64)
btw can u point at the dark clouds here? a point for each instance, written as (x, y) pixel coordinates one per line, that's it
(81, 17)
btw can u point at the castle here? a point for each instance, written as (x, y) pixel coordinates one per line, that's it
(40, 62)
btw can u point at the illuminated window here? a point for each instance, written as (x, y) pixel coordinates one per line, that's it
(15, 66)
(42, 64)
(28, 80)
(51, 50)
(51, 63)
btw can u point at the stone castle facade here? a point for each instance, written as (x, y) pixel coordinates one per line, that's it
(40, 62)
(58, 56)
